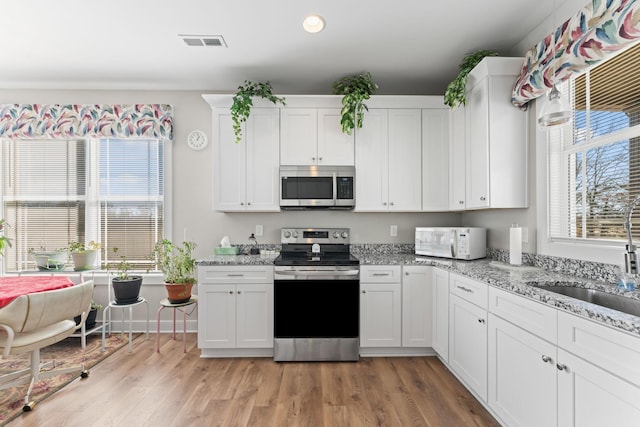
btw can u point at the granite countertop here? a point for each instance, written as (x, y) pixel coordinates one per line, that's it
(516, 279)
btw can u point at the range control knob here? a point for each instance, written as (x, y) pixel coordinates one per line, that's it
(295, 234)
(336, 234)
(344, 234)
(286, 234)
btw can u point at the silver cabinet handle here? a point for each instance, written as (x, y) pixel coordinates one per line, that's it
(561, 367)
(381, 274)
(464, 289)
(546, 358)
(480, 320)
(235, 275)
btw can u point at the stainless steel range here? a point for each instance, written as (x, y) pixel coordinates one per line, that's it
(316, 296)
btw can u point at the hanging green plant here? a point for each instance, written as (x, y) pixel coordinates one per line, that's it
(355, 90)
(242, 103)
(456, 90)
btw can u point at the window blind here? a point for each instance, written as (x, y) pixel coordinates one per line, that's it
(594, 165)
(107, 190)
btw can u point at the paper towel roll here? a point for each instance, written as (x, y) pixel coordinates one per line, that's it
(515, 245)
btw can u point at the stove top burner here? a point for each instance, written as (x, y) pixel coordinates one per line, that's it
(315, 246)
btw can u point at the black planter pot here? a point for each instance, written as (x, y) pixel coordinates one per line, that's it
(90, 321)
(126, 291)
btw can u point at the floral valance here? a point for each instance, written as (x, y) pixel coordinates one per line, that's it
(597, 31)
(80, 121)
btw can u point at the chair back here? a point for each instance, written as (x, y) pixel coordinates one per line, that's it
(33, 311)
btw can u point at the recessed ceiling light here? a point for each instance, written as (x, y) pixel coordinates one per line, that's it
(313, 23)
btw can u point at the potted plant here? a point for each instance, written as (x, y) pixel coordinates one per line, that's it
(90, 321)
(355, 90)
(84, 256)
(49, 260)
(4, 240)
(243, 101)
(126, 286)
(455, 94)
(178, 266)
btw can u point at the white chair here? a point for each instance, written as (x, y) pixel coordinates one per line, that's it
(37, 320)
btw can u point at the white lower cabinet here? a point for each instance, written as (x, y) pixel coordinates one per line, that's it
(548, 367)
(468, 344)
(380, 306)
(440, 313)
(395, 309)
(522, 376)
(416, 301)
(235, 308)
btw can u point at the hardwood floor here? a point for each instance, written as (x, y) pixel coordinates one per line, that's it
(144, 388)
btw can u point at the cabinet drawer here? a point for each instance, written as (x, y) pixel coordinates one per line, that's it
(468, 289)
(380, 274)
(235, 274)
(534, 317)
(611, 350)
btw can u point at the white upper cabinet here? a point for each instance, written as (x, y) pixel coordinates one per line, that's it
(496, 137)
(246, 173)
(313, 136)
(388, 161)
(457, 159)
(435, 159)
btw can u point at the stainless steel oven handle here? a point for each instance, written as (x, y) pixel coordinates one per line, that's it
(318, 273)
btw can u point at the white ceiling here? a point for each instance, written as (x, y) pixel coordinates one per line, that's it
(410, 46)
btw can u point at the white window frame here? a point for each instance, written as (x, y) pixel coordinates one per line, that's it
(93, 178)
(607, 252)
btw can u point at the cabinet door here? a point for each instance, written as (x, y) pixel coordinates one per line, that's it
(416, 305)
(522, 376)
(254, 322)
(435, 160)
(457, 159)
(590, 396)
(405, 165)
(380, 315)
(299, 136)
(468, 344)
(263, 141)
(217, 316)
(440, 316)
(335, 148)
(372, 163)
(230, 159)
(477, 135)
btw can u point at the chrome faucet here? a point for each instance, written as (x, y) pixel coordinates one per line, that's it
(630, 258)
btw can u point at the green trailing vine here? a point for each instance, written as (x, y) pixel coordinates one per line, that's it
(355, 90)
(455, 94)
(242, 103)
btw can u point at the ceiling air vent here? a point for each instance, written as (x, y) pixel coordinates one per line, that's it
(210, 41)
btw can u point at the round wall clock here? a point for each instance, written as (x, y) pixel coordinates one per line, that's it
(197, 140)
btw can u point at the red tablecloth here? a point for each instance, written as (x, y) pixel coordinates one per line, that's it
(12, 287)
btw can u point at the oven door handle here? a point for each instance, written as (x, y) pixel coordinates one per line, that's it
(318, 273)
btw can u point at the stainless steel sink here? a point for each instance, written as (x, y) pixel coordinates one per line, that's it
(612, 301)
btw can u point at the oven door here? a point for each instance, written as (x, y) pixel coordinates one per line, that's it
(317, 317)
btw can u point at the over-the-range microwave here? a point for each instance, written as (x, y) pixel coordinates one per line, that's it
(317, 187)
(464, 243)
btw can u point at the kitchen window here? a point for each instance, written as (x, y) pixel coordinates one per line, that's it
(594, 163)
(107, 190)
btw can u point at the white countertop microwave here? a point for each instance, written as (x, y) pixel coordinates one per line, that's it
(464, 243)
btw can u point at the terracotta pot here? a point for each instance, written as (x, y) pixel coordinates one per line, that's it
(178, 292)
